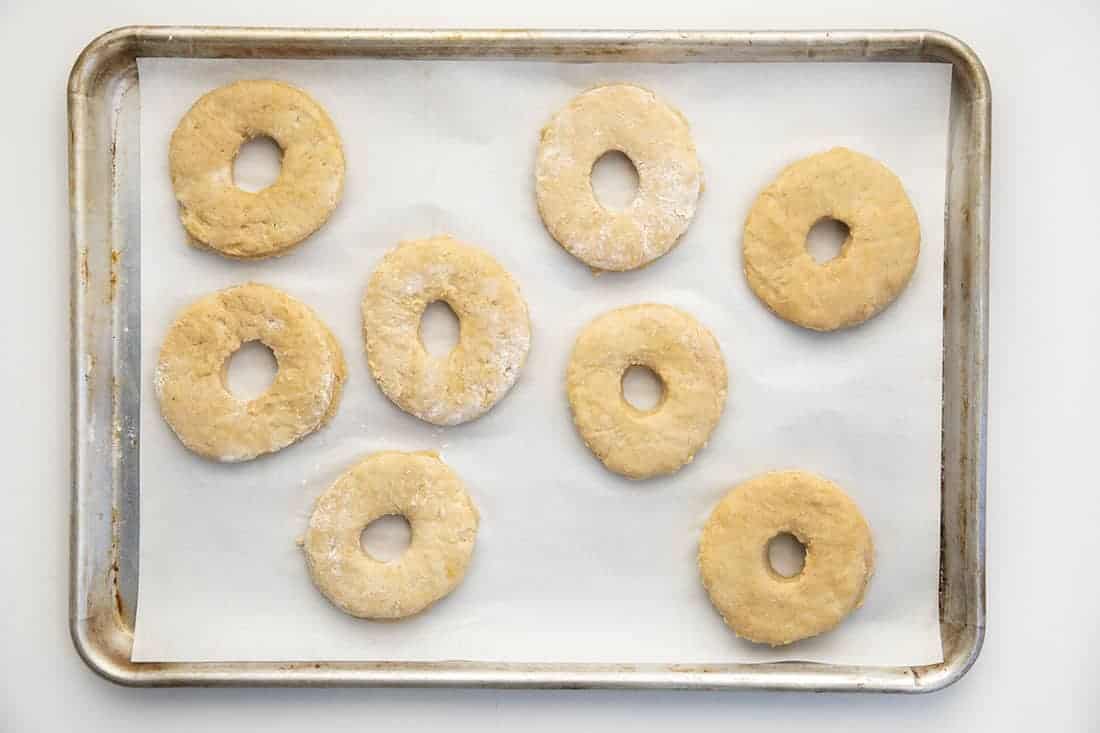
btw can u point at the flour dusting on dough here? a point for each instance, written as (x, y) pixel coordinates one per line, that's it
(494, 333)
(657, 140)
(444, 521)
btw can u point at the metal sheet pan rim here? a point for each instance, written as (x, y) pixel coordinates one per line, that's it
(100, 631)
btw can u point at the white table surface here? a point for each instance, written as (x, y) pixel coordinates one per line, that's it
(1038, 669)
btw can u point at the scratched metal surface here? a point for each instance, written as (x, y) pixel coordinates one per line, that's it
(105, 189)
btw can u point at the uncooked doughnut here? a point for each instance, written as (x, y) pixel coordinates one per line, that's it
(656, 138)
(245, 224)
(875, 261)
(683, 353)
(426, 492)
(190, 374)
(756, 602)
(494, 330)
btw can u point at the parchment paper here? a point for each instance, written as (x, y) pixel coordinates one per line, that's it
(572, 562)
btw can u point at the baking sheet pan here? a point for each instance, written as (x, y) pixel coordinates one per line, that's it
(105, 468)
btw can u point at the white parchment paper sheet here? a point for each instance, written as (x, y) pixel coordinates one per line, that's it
(572, 562)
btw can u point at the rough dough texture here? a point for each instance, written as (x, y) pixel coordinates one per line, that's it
(684, 354)
(875, 262)
(494, 330)
(417, 486)
(756, 602)
(190, 374)
(656, 138)
(246, 224)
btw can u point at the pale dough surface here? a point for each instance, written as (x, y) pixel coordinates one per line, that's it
(682, 352)
(656, 138)
(246, 224)
(756, 602)
(190, 376)
(875, 261)
(494, 329)
(426, 492)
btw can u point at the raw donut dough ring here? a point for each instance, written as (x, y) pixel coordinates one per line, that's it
(682, 352)
(245, 224)
(190, 374)
(494, 330)
(656, 138)
(875, 261)
(417, 486)
(756, 602)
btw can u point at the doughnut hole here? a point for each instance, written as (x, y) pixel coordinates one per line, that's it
(439, 329)
(387, 538)
(826, 239)
(785, 555)
(250, 370)
(257, 164)
(614, 180)
(643, 388)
